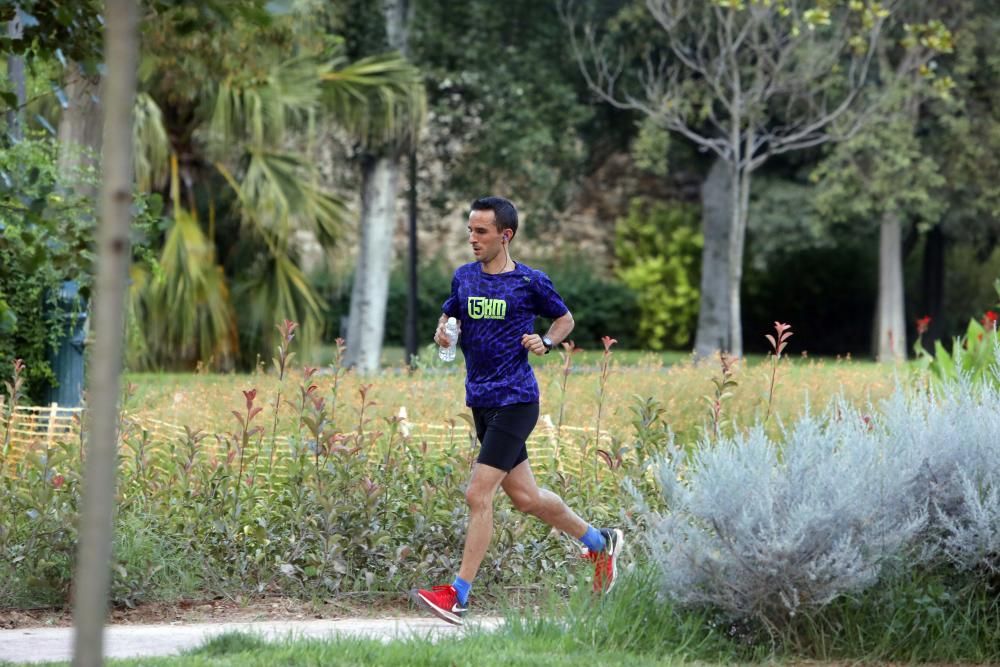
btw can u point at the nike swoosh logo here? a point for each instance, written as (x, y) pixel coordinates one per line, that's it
(457, 608)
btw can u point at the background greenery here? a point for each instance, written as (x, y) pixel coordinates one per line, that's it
(251, 123)
(266, 197)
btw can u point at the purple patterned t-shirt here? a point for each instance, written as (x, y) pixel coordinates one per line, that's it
(495, 310)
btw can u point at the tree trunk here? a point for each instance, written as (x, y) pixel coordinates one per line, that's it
(15, 73)
(933, 284)
(890, 321)
(93, 574)
(380, 175)
(713, 310)
(398, 19)
(80, 125)
(366, 325)
(740, 180)
(413, 254)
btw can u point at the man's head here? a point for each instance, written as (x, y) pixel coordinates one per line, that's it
(504, 213)
(492, 225)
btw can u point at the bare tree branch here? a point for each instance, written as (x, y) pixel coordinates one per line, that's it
(749, 82)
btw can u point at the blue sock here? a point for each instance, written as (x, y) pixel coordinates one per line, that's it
(462, 587)
(593, 539)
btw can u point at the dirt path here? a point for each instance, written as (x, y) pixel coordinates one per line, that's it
(222, 610)
(40, 644)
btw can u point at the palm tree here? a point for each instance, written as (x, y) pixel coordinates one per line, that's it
(379, 181)
(249, 136)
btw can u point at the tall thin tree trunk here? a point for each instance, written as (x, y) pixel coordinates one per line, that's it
(398, 19)
(890, 320)
(413, 254)
(80, 124)
(93, 574)
(366, 324)
(741, 202)
(15, 73)
(713, 311)
(933, 284)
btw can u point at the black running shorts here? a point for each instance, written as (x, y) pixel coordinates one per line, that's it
(503, 432)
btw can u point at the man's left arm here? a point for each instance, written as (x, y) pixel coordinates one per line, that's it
(559, 331)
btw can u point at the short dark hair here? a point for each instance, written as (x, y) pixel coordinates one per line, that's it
(504, 213)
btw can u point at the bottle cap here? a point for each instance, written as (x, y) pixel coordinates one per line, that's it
(452, 320)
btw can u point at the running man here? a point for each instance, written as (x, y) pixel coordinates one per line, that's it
(496, 300)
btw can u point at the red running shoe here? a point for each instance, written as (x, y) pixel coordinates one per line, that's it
(442, 601)
(606, 562)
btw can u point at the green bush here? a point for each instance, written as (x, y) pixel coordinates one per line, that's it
(47, 225)
(433, 287)
(339, 504)
(973, 356)
(601, 306)
(658, 250)
(826, 309)
(770, 532)
(45, 237)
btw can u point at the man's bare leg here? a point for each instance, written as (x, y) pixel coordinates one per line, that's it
(527, 497)
(482, 489)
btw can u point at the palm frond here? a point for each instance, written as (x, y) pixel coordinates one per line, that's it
(279, 192)
(378, 100)
(150, 144)
(277, 290)
(137, 356)
(275, 204)
(189, 316)
(186, 312)
(259, 111)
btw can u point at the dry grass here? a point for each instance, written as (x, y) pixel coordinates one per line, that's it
(437, 397)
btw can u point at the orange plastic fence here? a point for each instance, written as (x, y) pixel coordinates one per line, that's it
(567, 449)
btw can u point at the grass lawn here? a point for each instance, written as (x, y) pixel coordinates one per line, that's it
(476, 650)
(628, 627)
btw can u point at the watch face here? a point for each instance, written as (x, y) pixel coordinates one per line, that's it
(547, 342)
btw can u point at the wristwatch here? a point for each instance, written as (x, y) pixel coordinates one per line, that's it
(547, 342)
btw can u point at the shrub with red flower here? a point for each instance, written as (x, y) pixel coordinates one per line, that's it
(974, 355)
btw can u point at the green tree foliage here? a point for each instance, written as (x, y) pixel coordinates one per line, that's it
(882, 169)
(71, 31)
(45, 231)
(933, 160)
(965, 135)
(601, 305)
(240, 107)
(657, 248)
(46, 237)
(505, 101)
(786, 221)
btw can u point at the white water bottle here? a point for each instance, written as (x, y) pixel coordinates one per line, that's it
(451, 331)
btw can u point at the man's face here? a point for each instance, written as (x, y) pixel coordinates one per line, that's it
(484, 237)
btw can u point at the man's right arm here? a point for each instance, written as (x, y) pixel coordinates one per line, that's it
(449, 304)
(439, 336)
